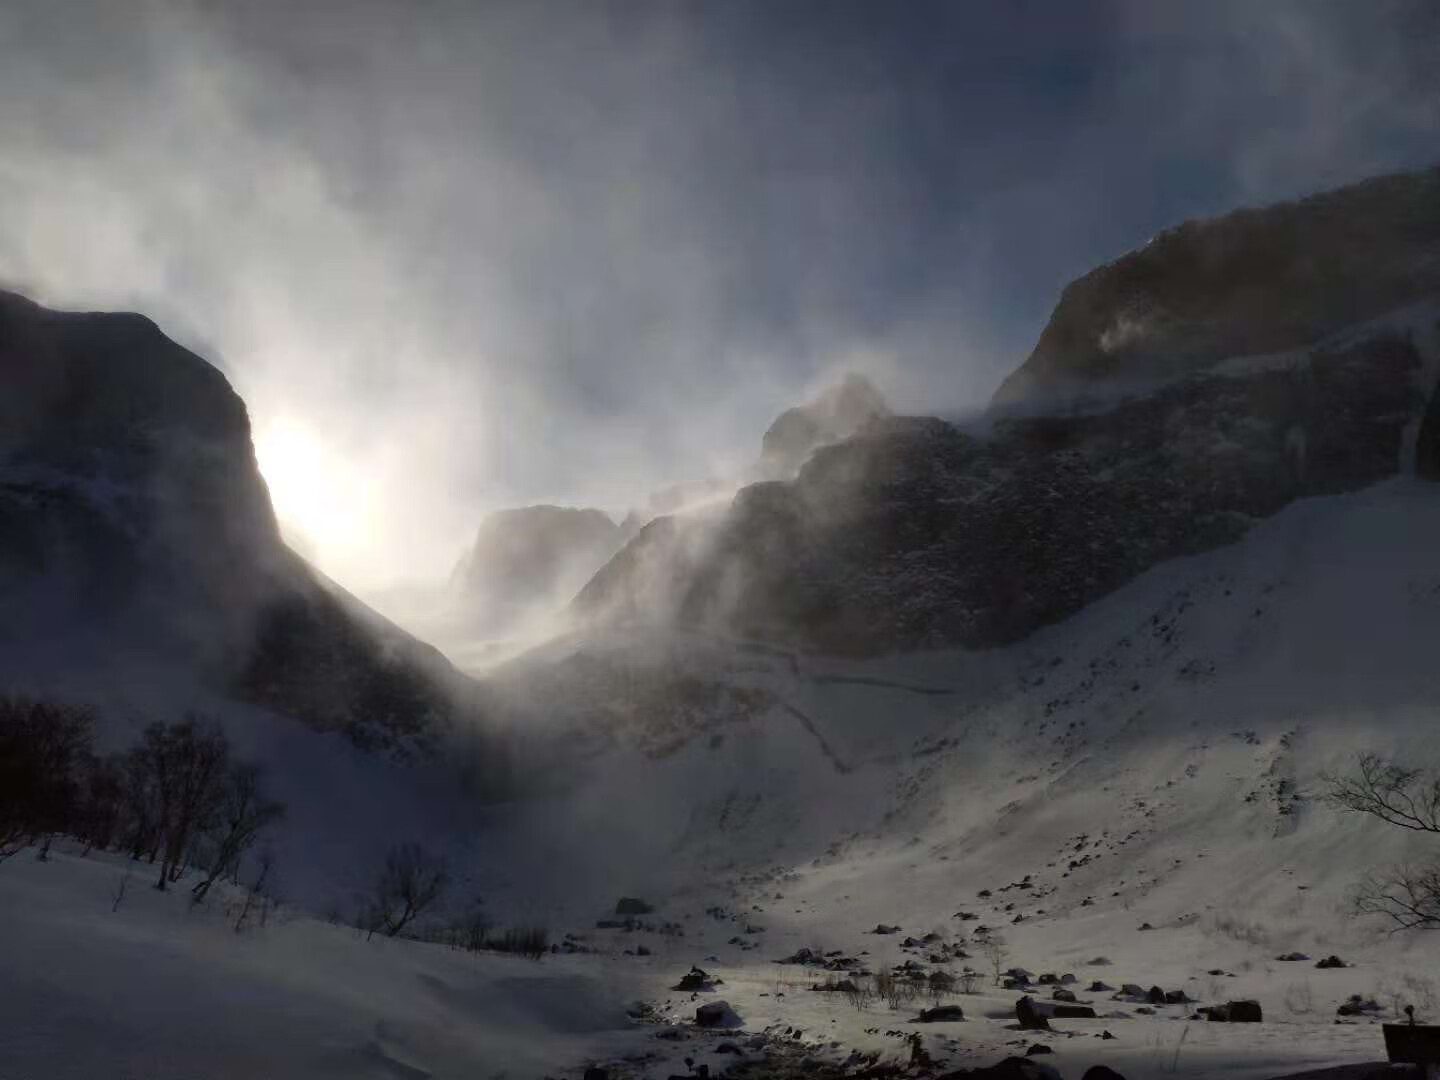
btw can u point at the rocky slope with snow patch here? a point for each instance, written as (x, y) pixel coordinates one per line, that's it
(1255, 281)
(917, 534)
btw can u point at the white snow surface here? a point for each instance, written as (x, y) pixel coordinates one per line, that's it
(1174, 733)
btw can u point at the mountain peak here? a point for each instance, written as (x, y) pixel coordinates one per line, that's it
(835, 414)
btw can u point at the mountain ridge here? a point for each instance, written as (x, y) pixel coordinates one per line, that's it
(134, 514)
(917, 533)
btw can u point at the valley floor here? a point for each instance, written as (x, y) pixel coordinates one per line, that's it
(155, 990)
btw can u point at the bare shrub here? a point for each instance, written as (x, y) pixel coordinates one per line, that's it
(256, 900)
(941, 985)
(1239, 930)
(471, 930)
(409, 883)
(858, 993)
(894, 990)
(969, 982)
(238, 817)
(530, 941)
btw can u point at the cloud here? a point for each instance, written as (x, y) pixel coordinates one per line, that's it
(474, 256)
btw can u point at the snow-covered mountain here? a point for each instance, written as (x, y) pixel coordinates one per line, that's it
(514, 584)
(136, 535)
(1073, 673)
(916, 533)
(1154, 759)
(1151, 762)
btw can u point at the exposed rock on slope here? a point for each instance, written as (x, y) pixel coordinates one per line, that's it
(134, 522)
(914, 533)
(1254, 281)
(836, 414)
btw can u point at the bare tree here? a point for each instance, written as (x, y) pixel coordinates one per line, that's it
(411, 880)
(101, 810)
(256, 893)
(1407, 798)
(471, 930)
(42, 746)
(240, 816)
(996, 951)
(942, 985)
(140, 802)
(187, 763)
(118, 897)
(1408, 895)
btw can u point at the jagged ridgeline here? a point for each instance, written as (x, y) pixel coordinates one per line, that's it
(136, 534)
(1177, 396)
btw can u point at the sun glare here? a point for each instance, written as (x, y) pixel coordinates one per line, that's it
(316, 494)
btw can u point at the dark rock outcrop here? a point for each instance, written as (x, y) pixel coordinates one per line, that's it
(917, 534)
(716, 1014)
(941, 1013)
(1255, 281)
(1029, 1017)
(1235, 1012)
(1061, 1011)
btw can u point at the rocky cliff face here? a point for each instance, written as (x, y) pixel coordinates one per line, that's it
(836, 414)
(914, 533)
(1255, 281)
(134, 522)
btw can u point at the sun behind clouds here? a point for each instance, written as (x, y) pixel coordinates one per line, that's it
(323, 504)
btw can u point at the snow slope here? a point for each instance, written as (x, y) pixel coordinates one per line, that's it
(1165, 740)
(1169, 738)
(1206, 679)
(160, 992)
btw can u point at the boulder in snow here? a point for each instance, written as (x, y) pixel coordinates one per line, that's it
(717, 1014)
(941, 1013)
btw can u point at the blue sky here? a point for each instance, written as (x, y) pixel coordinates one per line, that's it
(459, 256)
